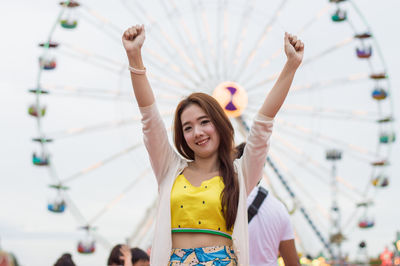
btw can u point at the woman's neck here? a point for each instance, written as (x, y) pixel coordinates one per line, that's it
(205, 165)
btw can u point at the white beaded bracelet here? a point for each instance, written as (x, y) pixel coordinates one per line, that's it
(137, 71)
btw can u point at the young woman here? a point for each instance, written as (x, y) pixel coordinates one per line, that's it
(202, 211)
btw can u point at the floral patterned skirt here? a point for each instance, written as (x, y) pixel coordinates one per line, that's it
(206, 256)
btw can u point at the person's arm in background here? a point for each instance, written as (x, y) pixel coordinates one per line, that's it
(126, 255)
(287, 247)
(288, 252)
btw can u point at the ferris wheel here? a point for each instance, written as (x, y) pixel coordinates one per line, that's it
(330, 151)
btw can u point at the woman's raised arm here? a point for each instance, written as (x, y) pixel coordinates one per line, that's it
(155, 136)
(133, 39)
(255, 152)
(294, 50)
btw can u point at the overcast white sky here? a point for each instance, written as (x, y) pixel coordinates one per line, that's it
(39, 238)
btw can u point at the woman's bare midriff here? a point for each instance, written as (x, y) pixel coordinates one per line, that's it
(196, 240)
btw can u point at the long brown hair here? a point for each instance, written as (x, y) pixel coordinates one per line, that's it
(230, 194)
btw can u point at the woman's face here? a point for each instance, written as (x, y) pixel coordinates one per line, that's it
(199, 131)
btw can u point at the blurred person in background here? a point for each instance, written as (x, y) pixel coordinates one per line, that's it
(140, 257)
(270, 231)
(65, 260)
(122, 255)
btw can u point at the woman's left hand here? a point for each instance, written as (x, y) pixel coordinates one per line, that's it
(294, 49)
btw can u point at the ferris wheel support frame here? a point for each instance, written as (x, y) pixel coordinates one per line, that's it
(303, 211)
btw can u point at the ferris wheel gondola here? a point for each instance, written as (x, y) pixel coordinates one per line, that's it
(69, 19)
(35, 111)
(87, 245)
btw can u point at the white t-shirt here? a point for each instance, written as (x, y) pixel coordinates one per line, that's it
(267, 229)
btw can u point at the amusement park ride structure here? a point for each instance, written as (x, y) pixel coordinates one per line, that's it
(202, 45)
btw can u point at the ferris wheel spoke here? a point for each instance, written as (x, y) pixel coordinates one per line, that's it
(118, 198)
(219, 38)
(146, 228)
(357, 77)
(89, 54)
(349, 222)
(113, 36)
(54, 88)
(300, 156)
(167, 40)
(51, 168)
(92, 93)
(207, 29)
(303, 210)
(320, 109)
(86, 55)
(101, 126)
(202, 52)
(317, 136)
(89, 60)
(320, 14)
(263, 65)
(348, 20)
(102, 240)
(341, 117)
(260, 40)
(329, 50)
(284, 169)
(315, 140)
(237, 47)
(303, 160)
(76, 213)
(105, 97)
(351, 187)
(149, 214)
(279, 51)
(172, 85)
(262, 83)
(189, 55)
(176, 80)
(155, 57)
(271, 187)
(190, 76)
(101, 163)
(194, 48)
(326, 112)
(104, 21)
(225, 45)
(60, 134)
(177, 67)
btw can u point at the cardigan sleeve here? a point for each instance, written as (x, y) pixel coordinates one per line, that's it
(162, 155)
(255, 152)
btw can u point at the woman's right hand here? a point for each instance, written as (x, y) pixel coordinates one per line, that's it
(126, 255)
(133, 39)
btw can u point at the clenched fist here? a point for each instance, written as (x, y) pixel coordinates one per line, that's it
(133, 38)
(294, 49)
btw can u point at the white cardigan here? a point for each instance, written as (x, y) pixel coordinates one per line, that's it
(167, 164)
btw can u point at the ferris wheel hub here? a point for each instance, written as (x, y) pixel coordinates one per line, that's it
(232, 97)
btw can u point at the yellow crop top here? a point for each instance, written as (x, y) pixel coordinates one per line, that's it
(198, 209)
